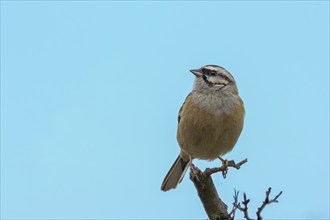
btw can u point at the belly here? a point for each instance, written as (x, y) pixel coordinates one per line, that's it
(205, 135)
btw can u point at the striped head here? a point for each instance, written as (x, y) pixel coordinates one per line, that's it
(213, 78)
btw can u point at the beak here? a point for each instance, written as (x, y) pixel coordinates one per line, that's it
(197, 72)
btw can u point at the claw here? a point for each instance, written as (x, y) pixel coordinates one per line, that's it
(193, 168)
(225, 166)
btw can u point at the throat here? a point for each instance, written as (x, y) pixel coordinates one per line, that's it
(216, 103)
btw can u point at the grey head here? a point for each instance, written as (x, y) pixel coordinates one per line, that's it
(213, 78)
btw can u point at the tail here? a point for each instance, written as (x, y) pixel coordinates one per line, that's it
(175, 174)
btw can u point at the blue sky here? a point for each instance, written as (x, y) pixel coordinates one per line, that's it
(90, 93)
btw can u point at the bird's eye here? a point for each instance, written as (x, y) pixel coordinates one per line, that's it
(209, 72)
(213, 72)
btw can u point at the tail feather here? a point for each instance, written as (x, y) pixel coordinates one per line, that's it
(175, 174)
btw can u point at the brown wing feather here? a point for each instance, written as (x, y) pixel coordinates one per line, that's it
(180, 111)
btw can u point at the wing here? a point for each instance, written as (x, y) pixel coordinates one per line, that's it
(180, 111)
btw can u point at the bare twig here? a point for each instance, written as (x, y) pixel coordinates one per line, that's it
(224, 167)
(245, 202)
(244, 209)
(266, 202)
(236, 204)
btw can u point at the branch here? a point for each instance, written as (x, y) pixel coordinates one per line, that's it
(245, 208)
(236, 204)
(266, 202)
(213, 205)
(245, 202)
(224, 167)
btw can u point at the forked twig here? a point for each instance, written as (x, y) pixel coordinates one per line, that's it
(236, 204)
(245, 202)
(224, 167)
(266, 202)
(244, 209)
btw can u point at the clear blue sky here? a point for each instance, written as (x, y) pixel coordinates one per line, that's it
(90, 93)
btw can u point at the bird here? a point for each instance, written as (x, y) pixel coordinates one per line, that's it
(210, 121)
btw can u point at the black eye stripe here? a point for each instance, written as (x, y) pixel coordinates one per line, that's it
(209, 72)
(226, 77)
(206, 81)
(214, 73)
(205, 71)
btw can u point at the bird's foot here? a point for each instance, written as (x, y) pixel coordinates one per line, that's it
(195, 171)
(225, 166)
